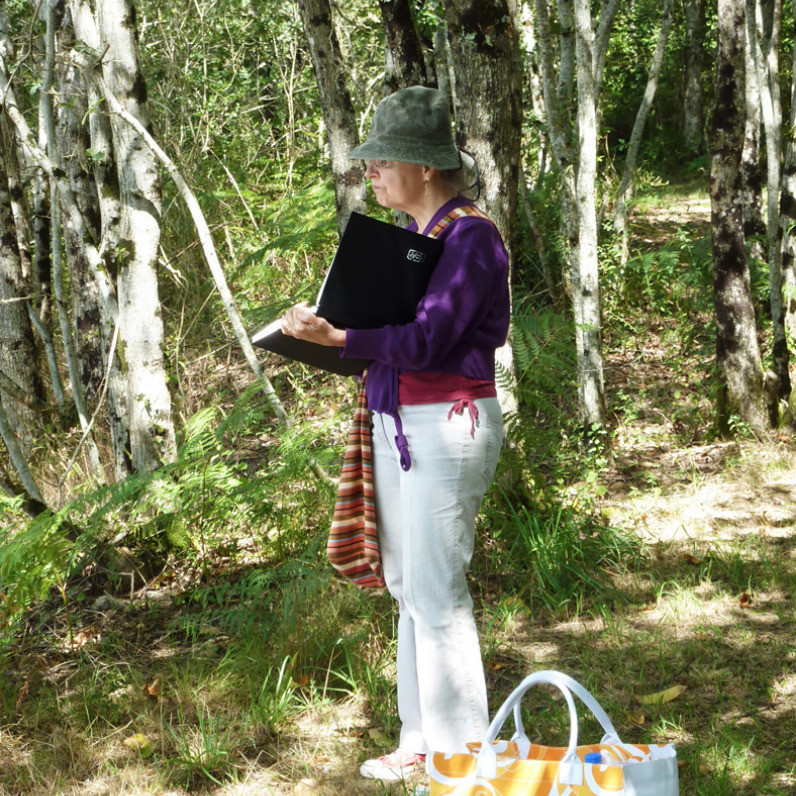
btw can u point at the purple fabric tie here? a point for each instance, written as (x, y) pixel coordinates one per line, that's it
(382, 390)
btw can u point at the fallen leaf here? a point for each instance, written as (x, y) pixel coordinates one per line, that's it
(515, 604)
(660, 697)
(745, 600)
(152, 689)
(86, 636)
(636, 717)
(139, 743)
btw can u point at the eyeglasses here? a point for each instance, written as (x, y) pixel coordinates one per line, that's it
(378, 164)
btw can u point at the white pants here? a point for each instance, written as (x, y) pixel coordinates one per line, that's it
(426, 520)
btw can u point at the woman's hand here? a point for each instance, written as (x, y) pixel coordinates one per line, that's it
(301, 322)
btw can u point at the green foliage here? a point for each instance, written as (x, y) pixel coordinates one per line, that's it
(675, 279)
(633, 41)
(32, 560)
(545, 207)
(202, 751)
(276, 699)
(238, 607)
(299, 244)
(10, 506)
(558, 557)
(546, 367)
(428, 16)
(201, 503)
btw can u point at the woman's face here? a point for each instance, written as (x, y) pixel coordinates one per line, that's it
(399, 186)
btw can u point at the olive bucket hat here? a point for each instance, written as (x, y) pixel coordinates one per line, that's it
(412, 125)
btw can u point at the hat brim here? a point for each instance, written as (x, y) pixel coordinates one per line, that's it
(443, 158)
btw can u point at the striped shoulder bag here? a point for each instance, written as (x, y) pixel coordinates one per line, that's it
(353, 544)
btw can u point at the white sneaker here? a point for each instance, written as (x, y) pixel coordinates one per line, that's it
(392, 767)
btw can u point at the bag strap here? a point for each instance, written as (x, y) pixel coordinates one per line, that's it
(457, 212)
(571, 770)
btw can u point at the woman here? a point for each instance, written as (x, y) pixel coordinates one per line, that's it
(437, 425)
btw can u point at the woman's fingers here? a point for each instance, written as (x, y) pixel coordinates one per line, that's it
(301, 322)
(291, 322)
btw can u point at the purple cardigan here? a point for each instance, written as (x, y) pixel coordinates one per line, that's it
(461, 320)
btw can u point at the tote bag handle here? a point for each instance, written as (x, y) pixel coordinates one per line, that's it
(571, 769)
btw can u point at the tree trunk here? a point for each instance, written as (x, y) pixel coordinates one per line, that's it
(101, 282)
(19, 461)
(47, 124)
(787, 222)
(74, 218)
(442, 60)
(406, 65)
(534, 81)
(738, 363)
(152, 440)
(487, 65)
(626, 184)
(751, 164)
(486, 60)
(42, 191)
(608, 9)
(763, 23)
(578, 182)
(338, 110)
(692, 90)
(585, 277)
(74, 141)
(18, 356)
(566, 59)
(556, 114)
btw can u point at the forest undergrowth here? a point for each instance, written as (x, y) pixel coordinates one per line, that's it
(657, 568)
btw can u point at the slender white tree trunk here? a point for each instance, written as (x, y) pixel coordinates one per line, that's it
(531, 47)
(754, 225)
(787, 219)
(152, 440)
(558, 132)
(99, 282)
(763, 25)
(585, 283)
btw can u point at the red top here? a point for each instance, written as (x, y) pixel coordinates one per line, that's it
(433, 388)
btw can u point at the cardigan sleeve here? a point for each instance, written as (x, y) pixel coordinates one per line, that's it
(468, 291)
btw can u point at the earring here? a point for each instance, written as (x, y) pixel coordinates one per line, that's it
(425, 188)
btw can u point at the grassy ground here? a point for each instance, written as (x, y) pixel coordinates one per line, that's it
(245, 669)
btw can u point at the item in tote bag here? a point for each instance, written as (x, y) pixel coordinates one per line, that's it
(520, 768)
(353, 544)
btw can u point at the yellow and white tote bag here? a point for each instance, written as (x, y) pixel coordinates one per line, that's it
(520, 768)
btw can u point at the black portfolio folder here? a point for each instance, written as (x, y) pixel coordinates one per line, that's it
(377, 276)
